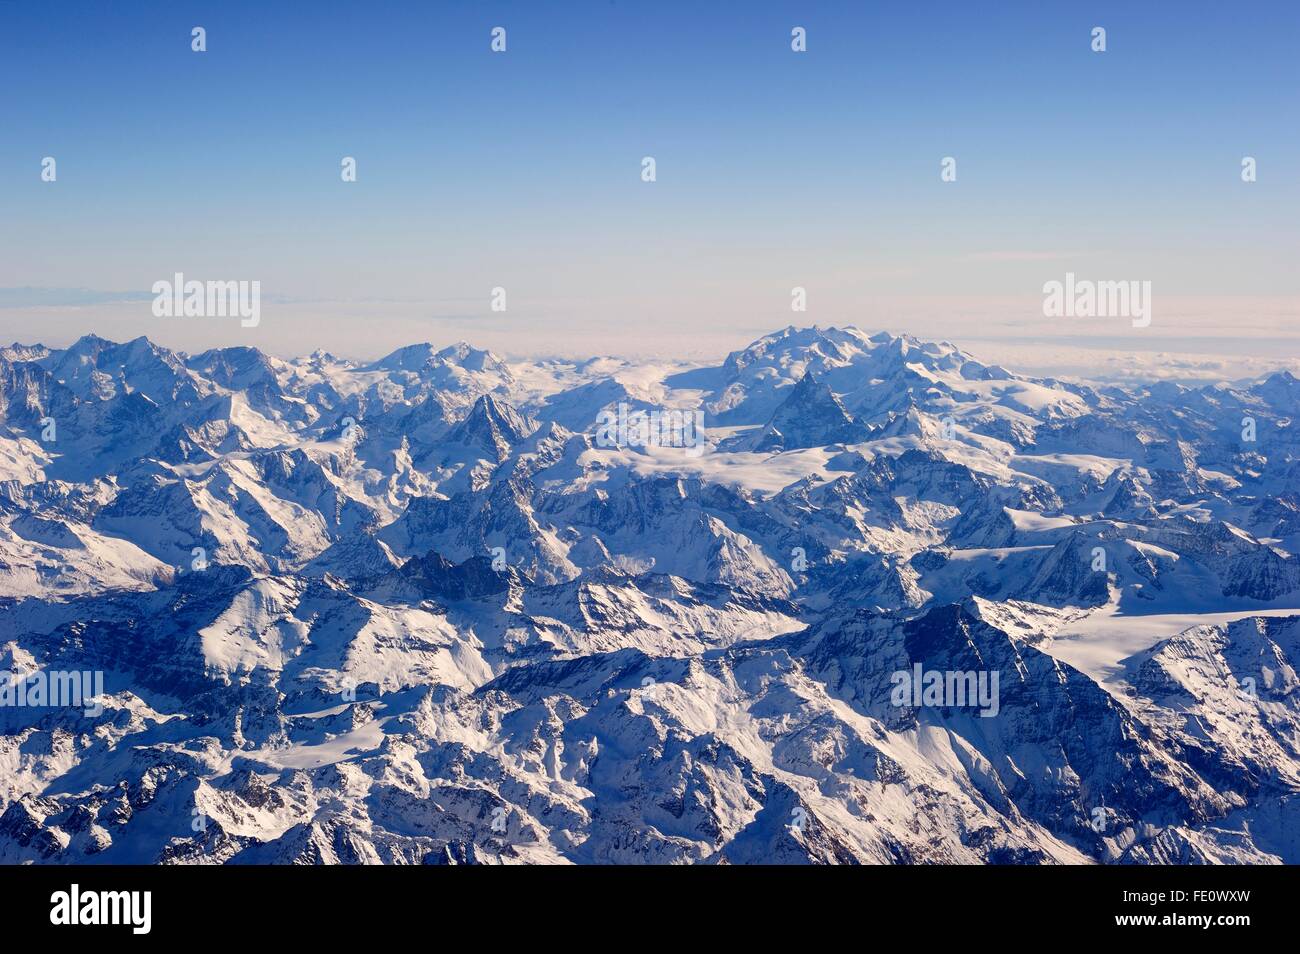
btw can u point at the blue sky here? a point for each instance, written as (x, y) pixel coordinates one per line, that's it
(522, 169)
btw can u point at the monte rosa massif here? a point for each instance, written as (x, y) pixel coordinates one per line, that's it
(414, 611)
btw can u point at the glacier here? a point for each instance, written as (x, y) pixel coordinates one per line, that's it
(411, 611)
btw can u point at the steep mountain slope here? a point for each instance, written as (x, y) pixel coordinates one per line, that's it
(899, 606)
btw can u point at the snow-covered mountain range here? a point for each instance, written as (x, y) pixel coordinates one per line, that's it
(418, 610)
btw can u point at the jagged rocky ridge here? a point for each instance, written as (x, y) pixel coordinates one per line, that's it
(412, 611)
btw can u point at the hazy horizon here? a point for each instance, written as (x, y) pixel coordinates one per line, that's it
(775, 170)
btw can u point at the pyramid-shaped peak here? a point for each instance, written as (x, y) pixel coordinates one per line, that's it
(811, 416)
(493, 425)
(503, 414)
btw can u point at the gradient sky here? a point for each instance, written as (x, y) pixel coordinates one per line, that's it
(775, 169)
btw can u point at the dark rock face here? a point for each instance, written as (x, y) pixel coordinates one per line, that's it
(440, 578)
(812, 416)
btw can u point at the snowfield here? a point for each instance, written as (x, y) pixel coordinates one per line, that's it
(419, 610)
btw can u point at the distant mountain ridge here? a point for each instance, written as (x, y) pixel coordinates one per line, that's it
(412, 610)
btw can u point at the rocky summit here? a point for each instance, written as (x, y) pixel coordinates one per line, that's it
(898, 606)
